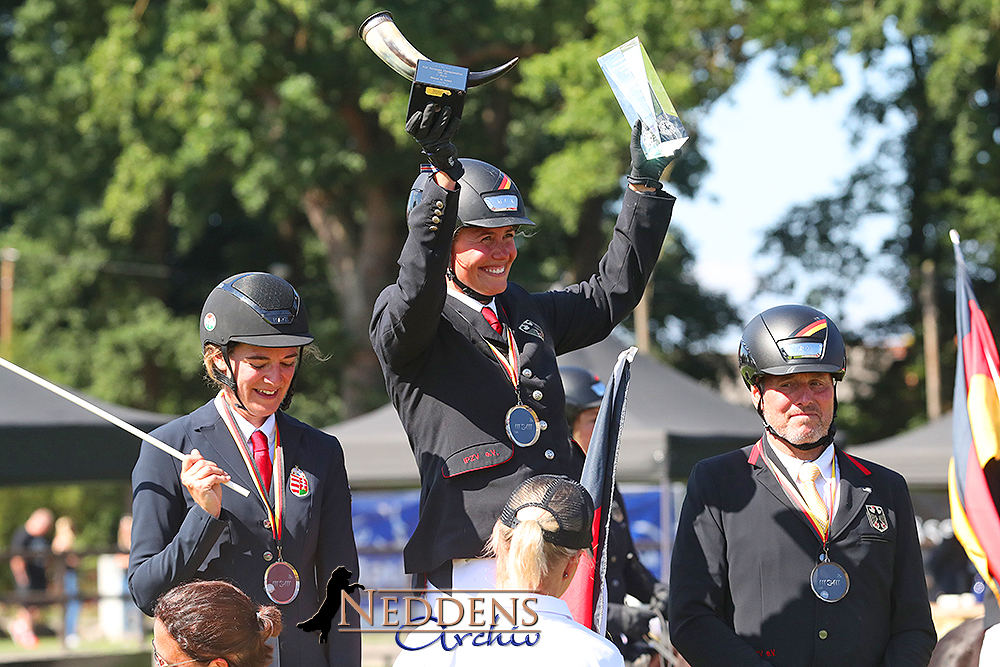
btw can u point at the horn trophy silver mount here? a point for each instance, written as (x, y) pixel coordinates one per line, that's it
(432, 81)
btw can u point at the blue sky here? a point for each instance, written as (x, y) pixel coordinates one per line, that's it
(768, 152)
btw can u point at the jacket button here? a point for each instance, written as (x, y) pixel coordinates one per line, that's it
(527, 373)
(268, 556)
(433, 228)
(542, 424)
(823, 634)
(435, 219)
(266, 523)
(549, 454)
(438, 204)
(537, 394)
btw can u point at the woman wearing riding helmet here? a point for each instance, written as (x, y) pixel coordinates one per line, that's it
(469, 357)
(280, 544)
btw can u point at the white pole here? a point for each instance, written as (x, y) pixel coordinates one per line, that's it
(107, 416)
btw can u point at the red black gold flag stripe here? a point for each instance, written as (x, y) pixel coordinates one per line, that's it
(974, 472)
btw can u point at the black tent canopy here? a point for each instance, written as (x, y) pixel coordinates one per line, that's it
(672, 421)
(46, 438)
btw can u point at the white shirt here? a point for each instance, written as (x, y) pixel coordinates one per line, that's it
(555, 639)
(824, 483)
(246, 428)
(472, 303)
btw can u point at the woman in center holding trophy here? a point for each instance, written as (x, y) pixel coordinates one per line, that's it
(469, 357)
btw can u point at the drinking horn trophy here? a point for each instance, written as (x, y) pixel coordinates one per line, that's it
(382, 36)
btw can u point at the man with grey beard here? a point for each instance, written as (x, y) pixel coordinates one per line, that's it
(791, 552)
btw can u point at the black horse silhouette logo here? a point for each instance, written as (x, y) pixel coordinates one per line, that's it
(323, 618)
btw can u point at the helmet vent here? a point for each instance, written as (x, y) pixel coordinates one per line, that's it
(267, 294)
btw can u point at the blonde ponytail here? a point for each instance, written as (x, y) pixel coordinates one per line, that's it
(524, 558)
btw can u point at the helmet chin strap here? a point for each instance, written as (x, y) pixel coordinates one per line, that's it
(468, 291)
(231, 383)
(824, 441)
(226, 379)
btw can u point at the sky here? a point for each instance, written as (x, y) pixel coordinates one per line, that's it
(769, 152)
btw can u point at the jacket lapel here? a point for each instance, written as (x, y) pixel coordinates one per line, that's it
(291, 442)
(224, 449)
(767, 479)
(473, 326)
(854, 491)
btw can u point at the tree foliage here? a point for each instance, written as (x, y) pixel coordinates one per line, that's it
(151, 149)
(938, 69)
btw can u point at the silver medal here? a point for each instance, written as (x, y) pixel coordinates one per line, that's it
(522, 426)
(829, 581)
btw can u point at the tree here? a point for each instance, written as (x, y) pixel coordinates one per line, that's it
(939, 67)
(153, 149)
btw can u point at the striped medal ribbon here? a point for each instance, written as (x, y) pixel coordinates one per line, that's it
(828, 580)
(281, 579)
(521, 421)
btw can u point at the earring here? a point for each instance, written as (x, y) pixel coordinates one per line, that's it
(565, 575)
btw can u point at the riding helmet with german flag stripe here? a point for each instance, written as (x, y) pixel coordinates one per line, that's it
(487, 196)
(791, 339)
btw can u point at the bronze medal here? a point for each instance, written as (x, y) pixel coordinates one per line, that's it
(281, 582)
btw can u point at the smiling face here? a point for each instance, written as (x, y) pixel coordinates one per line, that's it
(263, 376)
(481, 257)
(799, 407)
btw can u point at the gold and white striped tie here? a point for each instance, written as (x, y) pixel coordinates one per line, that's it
(809, 473)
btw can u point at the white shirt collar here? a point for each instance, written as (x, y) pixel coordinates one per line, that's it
(792, 464)
(246, 428)
(472, 303)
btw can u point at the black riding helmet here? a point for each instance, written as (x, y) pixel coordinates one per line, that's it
(584, 391)
(257, 309)
(487, 197)
(792, 339)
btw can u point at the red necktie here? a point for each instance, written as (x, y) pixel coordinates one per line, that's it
(262, 457)
(491, 317)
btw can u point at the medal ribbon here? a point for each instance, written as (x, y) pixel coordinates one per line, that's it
(277, 476)
(795, 495)
(509, 366)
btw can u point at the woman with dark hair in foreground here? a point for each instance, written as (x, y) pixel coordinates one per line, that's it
(213, 623)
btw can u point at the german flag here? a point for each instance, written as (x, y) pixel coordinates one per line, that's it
(974, 471)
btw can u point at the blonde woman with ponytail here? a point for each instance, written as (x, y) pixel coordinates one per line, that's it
(215, 624)
(537, 541)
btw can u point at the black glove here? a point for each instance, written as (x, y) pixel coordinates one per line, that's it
(644, 171)
(433, 129)
(635, 620)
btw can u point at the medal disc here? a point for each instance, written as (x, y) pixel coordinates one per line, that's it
(829, 581)
(522, 426)
(281, 582)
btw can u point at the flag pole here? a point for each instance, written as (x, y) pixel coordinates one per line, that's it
(107, 416)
